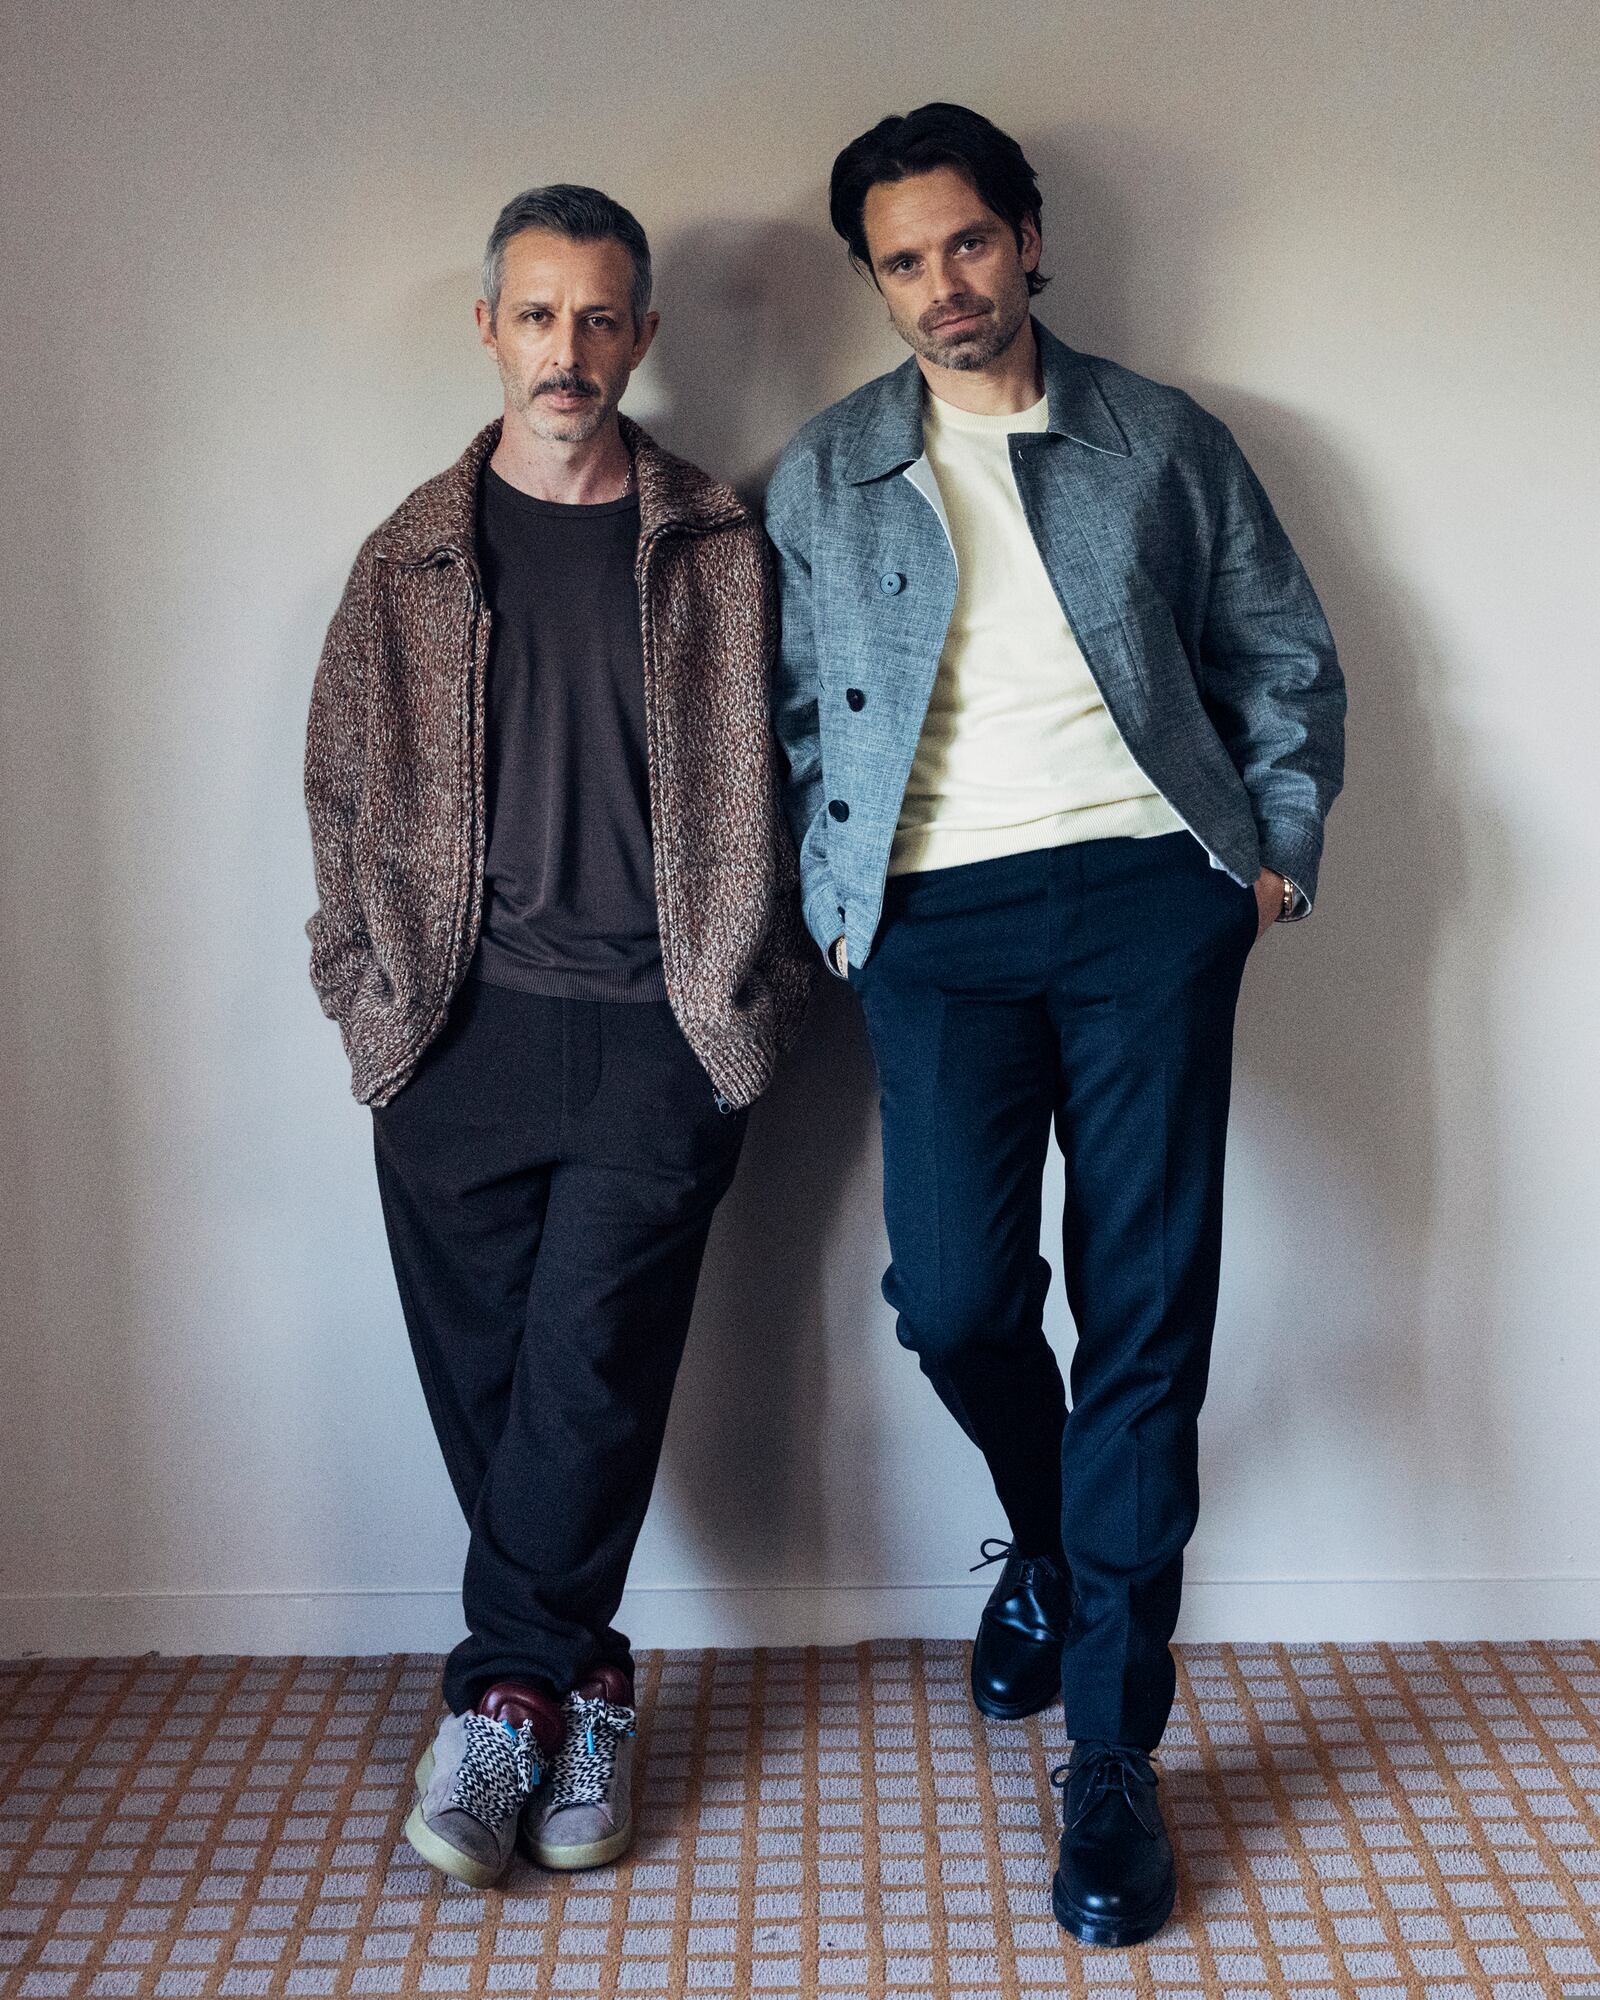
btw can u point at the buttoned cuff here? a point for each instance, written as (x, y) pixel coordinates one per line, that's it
(824, 917)
(1293, 852)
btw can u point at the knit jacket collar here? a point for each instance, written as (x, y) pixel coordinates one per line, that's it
(440, 517)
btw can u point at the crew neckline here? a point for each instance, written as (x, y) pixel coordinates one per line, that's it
(948, 416)
(589, 509)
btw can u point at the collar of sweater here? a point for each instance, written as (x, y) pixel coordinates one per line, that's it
(440, 517)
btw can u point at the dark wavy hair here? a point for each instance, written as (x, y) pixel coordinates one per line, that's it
(937, 135)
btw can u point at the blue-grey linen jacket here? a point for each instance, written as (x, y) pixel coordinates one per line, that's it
(1193, 612)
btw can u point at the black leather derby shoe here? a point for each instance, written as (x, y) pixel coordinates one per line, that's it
(1115, 1882)
(1016, 1661)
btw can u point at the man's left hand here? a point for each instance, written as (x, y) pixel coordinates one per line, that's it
(1269, 886)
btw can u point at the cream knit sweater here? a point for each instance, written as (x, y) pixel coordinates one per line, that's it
(1017, 751)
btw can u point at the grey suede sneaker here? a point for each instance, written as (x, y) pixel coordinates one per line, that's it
(583, 1816)
(474, 1780)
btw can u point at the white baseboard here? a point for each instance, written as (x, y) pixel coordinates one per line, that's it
(63, 1625)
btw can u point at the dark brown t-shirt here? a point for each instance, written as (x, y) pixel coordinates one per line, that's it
(569, 899)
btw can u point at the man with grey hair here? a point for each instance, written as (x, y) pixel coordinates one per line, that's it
(559, 931)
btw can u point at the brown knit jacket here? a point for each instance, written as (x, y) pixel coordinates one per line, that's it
(395, 777)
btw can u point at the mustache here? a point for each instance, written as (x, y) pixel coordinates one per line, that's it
(931, 322)
(567, 383)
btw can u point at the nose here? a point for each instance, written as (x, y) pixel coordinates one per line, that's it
(564, 350)
(946, 283)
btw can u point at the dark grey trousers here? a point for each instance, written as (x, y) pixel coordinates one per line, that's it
(548, 1179)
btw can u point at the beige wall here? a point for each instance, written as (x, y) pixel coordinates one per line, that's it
(238, 258)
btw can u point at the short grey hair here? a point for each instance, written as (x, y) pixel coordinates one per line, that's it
(582, 213)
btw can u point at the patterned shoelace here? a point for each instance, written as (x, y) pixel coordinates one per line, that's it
(586, 1763)
(498, 1772)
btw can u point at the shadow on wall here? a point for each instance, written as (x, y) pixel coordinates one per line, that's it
(763, 324)
(1346, 1021)
(1341, 1017)
(760, 1411)
(759, 325)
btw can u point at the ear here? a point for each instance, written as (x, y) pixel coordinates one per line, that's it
(1032, 243)
(485, 320)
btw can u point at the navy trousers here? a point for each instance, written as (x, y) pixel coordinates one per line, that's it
(1091, 987)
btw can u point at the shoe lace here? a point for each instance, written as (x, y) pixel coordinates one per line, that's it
(1113, 1771)
(587, 1760)
(1000, 1551)
(499, 1769)
(993, 1550)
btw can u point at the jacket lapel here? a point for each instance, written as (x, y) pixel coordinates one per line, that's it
(1065, 474)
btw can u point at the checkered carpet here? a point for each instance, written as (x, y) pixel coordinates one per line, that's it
(1368, 1821)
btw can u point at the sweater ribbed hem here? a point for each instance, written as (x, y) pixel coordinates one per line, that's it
(1144, 818)
(740, 1070)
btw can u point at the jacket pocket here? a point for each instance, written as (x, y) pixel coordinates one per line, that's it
(340, 956)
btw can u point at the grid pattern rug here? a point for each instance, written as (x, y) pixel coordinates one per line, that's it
(1364, 1821)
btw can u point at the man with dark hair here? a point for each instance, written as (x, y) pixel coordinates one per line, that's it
(558, 930)
(1063, 721)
